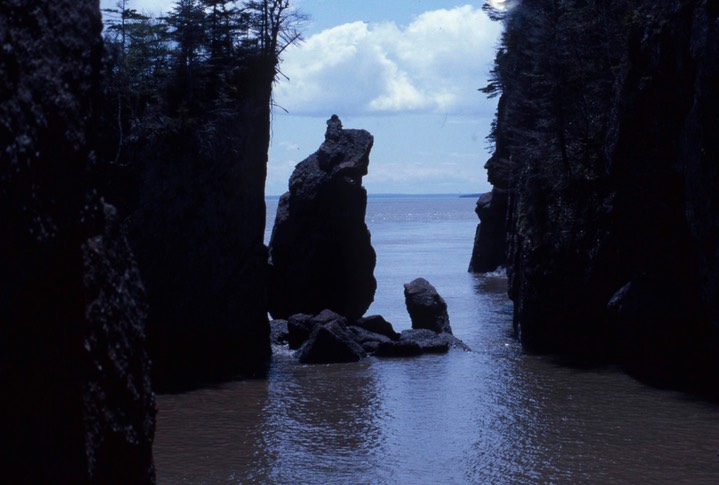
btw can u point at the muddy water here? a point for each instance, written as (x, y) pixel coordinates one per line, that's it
(493, 415)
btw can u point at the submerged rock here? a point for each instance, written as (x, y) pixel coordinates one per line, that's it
(426, 307)
(320, 250)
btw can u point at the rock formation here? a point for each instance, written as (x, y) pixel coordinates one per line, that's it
(490, 240)
(77, 406)
(198, 232)
(426, 307)
(613, 210)
(320, 251)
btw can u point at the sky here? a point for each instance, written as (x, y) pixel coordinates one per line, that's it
(408, 71)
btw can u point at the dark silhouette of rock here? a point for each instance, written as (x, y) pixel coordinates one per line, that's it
(77, 406)
(368, 340)
(330, 343)
(398, 349)
(429, 341)
(490, 240)
(320, 251)
(327, 316)
(279, 332)
(377, 324)
(613, 250)
(198, 232)
(299, 327)
(426, 307)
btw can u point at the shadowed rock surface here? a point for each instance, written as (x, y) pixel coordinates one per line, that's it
(613, 210)
(330, 343)
(77, 405)
(198, 232)
(377, 324)
(426, 307)
(490, 240)
(320, 251)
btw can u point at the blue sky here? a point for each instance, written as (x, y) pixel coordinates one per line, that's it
(405, 70)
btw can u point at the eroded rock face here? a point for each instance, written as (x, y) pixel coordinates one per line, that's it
(613, 252)
(426, 307)
(198, 232)
(77, 404)
(490, 240)
(321, 254)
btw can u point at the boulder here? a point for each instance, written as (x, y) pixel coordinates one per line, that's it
(330, 343)
(426, 307)
(427, 340)
(377, 324)
(279, 333)
(431, 341)
(299, 327)
(398, 349)
(321, 255)
(368, 340)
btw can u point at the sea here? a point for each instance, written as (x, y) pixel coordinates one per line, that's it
(492, 415)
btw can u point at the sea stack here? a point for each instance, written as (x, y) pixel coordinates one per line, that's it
(321, 256)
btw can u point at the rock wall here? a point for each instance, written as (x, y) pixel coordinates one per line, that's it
(321, 254)
(77, 405)
(612, 218)
(198, 233)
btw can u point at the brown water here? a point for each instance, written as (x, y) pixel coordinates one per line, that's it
(493, 415)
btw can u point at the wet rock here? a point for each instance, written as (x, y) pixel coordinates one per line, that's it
(426, 307)
(320, 250)
(299, 327)
(330, 343)
(377, 324)
(427, 340)
(368, 340)
(327, 316)
(398, 349)
(279, 333)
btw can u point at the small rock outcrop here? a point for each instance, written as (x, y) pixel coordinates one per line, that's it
(426, 307)
(490, 240)
(321, 254)
(377, 324)
(77, 405)
(328, 338)
(330, 343)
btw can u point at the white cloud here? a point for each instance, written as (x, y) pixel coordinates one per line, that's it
(435, 64)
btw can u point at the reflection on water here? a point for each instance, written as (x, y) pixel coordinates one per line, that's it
(493, 415)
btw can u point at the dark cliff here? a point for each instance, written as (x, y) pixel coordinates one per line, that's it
(606, 144)
(77, 406)
(198, 231)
